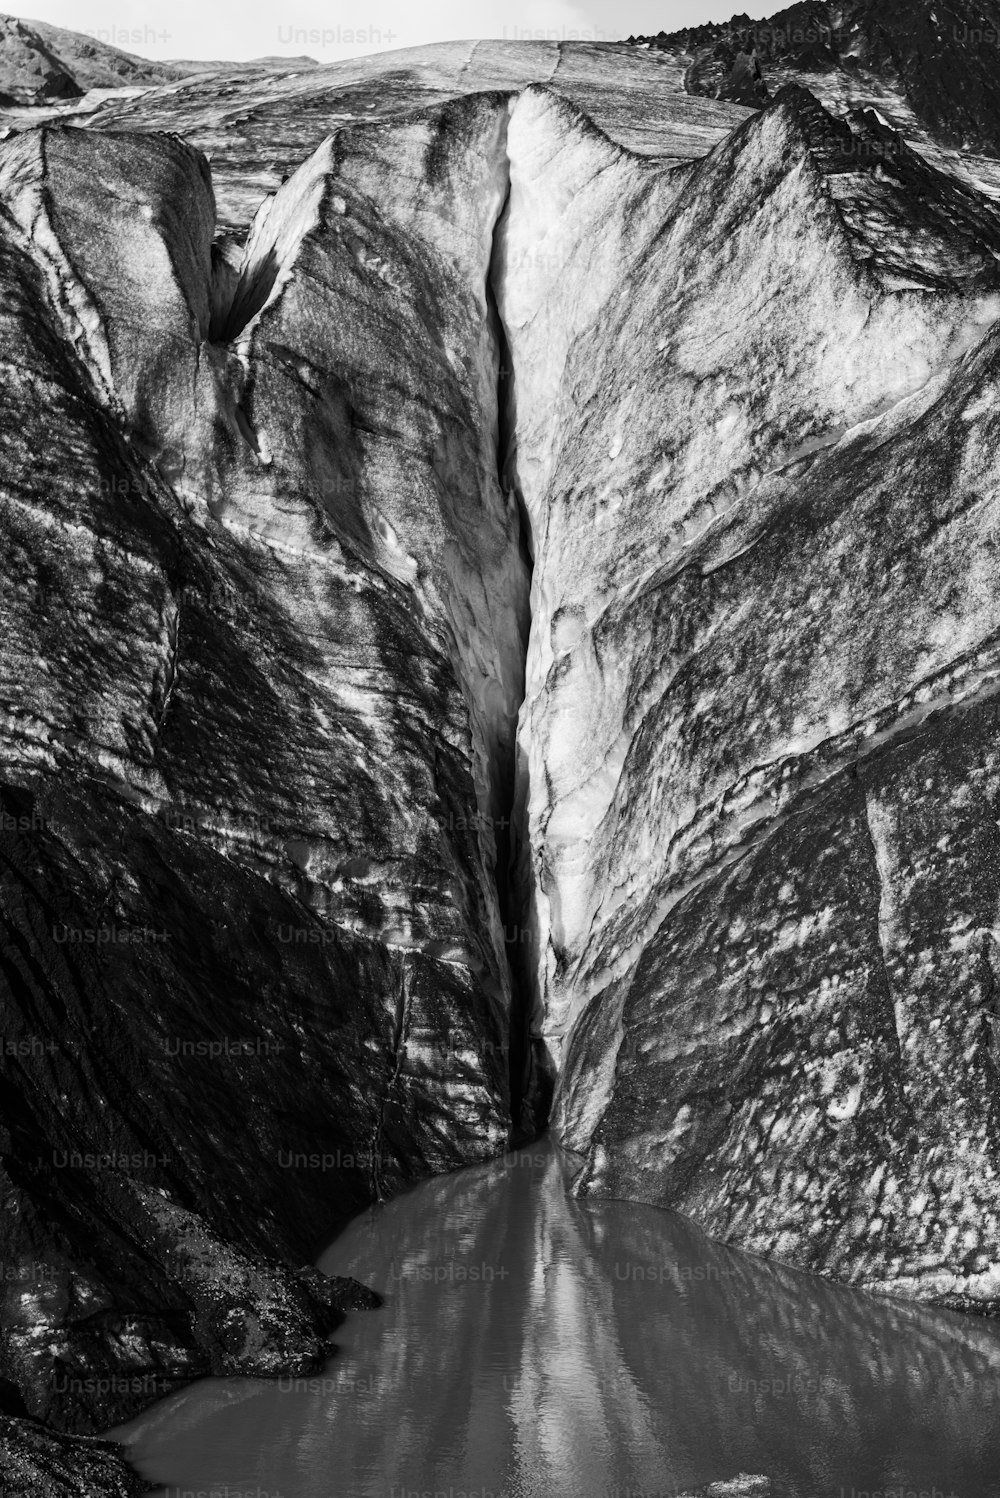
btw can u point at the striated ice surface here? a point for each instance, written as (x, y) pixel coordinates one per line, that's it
(500, 561)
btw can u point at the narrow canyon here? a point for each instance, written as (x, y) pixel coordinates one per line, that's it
(501, 546)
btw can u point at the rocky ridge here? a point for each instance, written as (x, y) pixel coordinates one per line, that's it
(40, 63)
(929, 69)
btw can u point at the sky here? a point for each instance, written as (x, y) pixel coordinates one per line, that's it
(239, 29)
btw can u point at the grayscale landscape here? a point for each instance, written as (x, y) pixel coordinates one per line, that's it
(500, 652)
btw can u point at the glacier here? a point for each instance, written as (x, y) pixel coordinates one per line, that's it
(500, 560)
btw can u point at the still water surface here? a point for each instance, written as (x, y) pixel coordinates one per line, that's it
(533, 1346)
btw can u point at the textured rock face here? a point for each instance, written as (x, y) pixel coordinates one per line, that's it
(929, 69)
(760, 676)
(39, 63)
(46, 1465)
(520, 587)
(738, 625)
(29, 72)
(265, 634)
(264, 639)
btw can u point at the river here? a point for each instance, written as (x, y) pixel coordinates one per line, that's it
(535, 1346)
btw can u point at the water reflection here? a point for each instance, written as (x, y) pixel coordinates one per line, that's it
(532, 1346)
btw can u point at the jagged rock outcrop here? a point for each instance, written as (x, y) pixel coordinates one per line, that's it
(40, 63)
(29, 71)
(43, 1464)
(517, 592)
(920, 62)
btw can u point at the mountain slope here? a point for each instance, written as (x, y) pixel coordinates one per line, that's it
(40, 63)
(257, 128)
(936, 62)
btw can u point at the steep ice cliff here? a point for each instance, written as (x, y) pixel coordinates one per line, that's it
(500, 561)
(264, 631)
(763, 594)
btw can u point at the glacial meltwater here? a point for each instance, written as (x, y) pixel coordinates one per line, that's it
(536, 1346)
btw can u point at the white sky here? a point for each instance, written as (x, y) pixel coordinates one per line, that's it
(238, 29)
